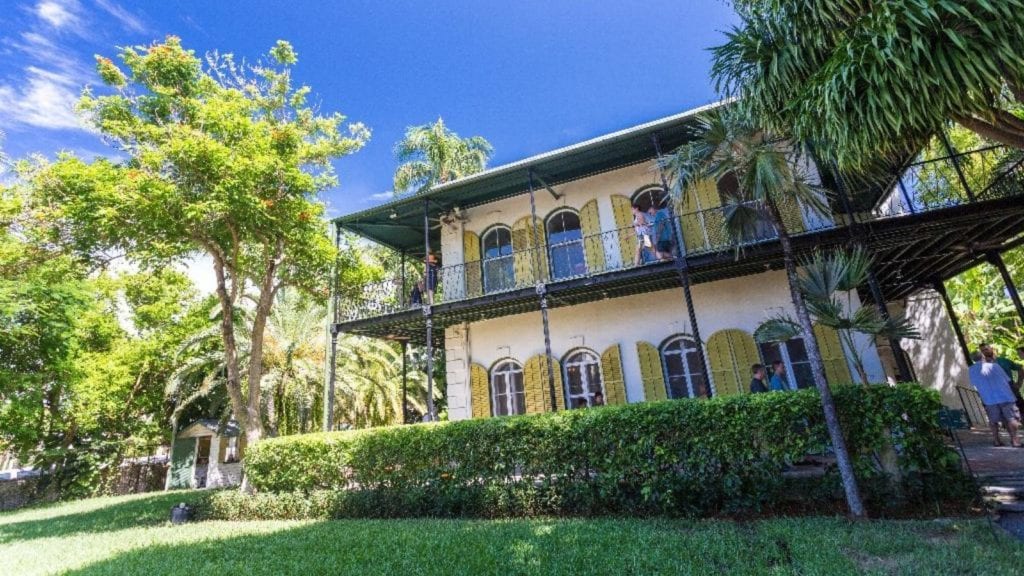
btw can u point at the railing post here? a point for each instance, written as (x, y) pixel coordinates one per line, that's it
(956, 165)
(334, 302)
(997, 260)
(953, 320)
(542, 293)
(683, 270)
(429, 286)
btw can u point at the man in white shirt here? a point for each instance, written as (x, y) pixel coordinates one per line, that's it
(993, 386)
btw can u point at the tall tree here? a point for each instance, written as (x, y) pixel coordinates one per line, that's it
(432, 154)
(862, 78)
(768, 176)
(224, 160)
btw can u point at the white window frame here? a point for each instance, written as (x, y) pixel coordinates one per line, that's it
(507, 369)
(503, 259)
(689, 345)
(581, 359)
(786, 361)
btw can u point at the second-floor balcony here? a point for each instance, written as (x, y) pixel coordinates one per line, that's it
(518, 259)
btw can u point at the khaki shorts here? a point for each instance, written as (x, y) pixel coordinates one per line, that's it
(1005, 412)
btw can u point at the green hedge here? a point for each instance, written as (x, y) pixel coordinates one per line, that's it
(681, 457)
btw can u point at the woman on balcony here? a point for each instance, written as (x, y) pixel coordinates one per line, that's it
(643, 235)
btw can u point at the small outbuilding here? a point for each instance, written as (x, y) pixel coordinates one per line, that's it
(206, 454)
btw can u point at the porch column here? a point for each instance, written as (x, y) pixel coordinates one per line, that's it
(941, 289)
(332, 356)
(683, 270)
(997, 260)
(857, 239)
(405, 379)
(428, 304)
(401, 288)
(542, 292)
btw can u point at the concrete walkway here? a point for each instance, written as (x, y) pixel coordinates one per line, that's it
(1000, 474)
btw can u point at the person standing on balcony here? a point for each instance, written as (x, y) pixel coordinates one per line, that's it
(643, 235)
(778, 382)
(431, 276)
(662, 232)
(758, 383)
(993, 385)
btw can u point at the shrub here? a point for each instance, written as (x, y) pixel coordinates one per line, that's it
(679, 457)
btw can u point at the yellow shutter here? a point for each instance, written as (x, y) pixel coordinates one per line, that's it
(651, 372)
(526, 252)
(479, 391)
(696, 217)
(471, 258)
(731, 353)
(837, 371)
(535, 384)
(623, 211)
(611, 371)
(593, 242)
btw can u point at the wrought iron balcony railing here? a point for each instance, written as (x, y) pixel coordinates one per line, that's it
(924, 185)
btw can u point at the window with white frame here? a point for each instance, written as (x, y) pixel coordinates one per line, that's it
(565, 245)
(508, 394)
(680, 358)
(498, 265)
(583, 379)
(793, 355)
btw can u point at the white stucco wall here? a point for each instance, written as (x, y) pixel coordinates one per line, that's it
(936, 358)
(735, 303)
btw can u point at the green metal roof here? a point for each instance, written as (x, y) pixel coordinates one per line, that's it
(399, 224)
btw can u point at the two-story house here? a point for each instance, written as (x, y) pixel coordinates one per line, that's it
(539, 259)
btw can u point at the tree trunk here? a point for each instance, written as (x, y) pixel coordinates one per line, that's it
(254, 431)
(998, 132)
(227, 328)
(828, 406)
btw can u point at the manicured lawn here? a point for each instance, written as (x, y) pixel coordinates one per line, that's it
(130, 535)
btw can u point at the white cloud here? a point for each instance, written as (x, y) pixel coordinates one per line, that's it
(382, 196)
(58, 13)
(43, 99)
(130, 22)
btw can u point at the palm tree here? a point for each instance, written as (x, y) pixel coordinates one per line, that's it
(432, 154)
(870, 79)
(369, 383)
(827, 282)
(765, 167)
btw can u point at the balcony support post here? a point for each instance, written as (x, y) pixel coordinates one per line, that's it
(428, 303)
(405, 381)
(542, 292)
(332, 315)
(857, 240)
(953, 320)
(683, 269)
(956, 165)
(996, 260)
(402, 286)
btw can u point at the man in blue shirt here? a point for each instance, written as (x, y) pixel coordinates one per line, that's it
(993, 385)
(778, 381)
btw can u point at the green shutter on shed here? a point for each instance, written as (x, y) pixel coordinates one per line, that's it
(183, 459)
(611, 371)
(650, 371)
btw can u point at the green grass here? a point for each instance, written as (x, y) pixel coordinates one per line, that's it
(130, 535)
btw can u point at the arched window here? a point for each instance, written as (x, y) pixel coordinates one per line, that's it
(583, 379)
(681, 362)
(650, 196)
(499, 268)
(793, 355)
(507, 391)
(565, 245)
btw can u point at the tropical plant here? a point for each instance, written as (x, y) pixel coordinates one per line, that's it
(225, 161)
(369, 384)
(769, 173)
(982, 307)
(432, 154)
(828, 282)
(863, 79)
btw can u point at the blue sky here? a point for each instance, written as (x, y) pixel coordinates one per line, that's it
(528, 76)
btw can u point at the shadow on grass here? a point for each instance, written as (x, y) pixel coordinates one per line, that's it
(427, 547)
(92, 516)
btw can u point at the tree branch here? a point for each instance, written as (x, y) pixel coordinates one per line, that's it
(990, 131)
